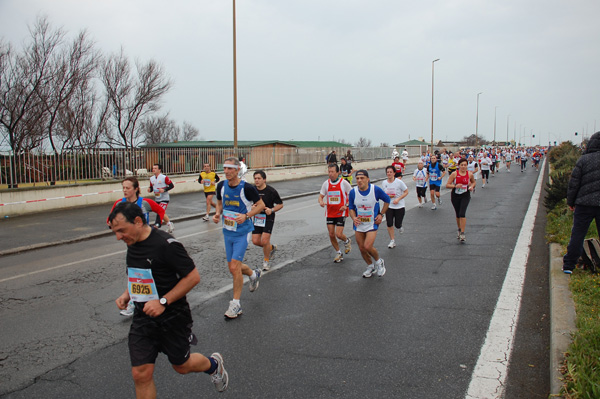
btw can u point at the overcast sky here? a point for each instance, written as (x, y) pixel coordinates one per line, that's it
(330, 69)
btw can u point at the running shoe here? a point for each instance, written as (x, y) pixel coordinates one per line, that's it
(253, 285)
(266, 266)
(458, 235)
(205, 218)
(369, 272)
(567, 270)
(462, 237)
(170, 227)
(347, 246)
(420, 205)
(401, 230)
(483, 185)
(338, 258)
(129, 310)
(273, 249)
(380, 267)
(234, 310)
(440, 200)
(220, 377)
(392, 244)
(434, 207)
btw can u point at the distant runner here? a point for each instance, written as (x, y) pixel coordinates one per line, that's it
(208, 179)
(397, 191)
(160, 184)
(334, 198)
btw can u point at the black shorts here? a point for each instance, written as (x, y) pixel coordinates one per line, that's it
(434, 187)
(209, 193)
(341, 221)
(394, 215)
(267, 228)
(421, 191)
(485, 174)
(170, 334)
(398, 174)
(460, 202)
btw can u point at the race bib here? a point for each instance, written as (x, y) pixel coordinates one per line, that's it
(141, 285)
(432, 177)
(460, 190)
(229, 222)
(391, 193)
(365, 215)
(334, 198)
(260, 220)
(206, 182)
(420, 182)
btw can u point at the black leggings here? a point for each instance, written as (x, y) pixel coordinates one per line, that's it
(394, 215)
(460, 202)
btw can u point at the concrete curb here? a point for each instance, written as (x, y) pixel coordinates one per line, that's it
(562, 318)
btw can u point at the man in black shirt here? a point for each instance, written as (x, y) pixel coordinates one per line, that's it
(264, 221)
(160, 274)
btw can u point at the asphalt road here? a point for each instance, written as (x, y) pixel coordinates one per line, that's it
(314, 329)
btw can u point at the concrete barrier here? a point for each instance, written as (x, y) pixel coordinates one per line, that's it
(22, 201)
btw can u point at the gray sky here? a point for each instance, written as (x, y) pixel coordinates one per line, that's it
(330, 69)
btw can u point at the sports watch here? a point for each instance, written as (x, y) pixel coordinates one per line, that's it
(163, 301)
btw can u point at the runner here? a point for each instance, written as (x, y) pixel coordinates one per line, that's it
(264, 221)
(420, 179)
(160, 185)
(462, 182)
(523, 155)
(131, 192)
(160, 274)
(208, 179)
(473, 168)
(346, 169)
(492, 156)
(366, 215)
(243, 168)
(486, 164)
(508, 156)
(435, 174)
(405, 157)
(398, 167)
(397, 191)
(536, 160)
(334, 196)
(234, 203)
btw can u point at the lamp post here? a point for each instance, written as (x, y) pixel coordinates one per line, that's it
(432, 74)
(507, 119)
(495, 108)
(477, 122)
(235, 146)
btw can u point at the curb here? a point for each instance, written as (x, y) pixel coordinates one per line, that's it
(562, 318)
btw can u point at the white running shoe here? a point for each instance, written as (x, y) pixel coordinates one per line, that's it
(170, 227)
(205, 218)
(253, 286)
(266, 266)
(338, 258)
(234, 310)
(401, 230)
(220, 377)
(380, 267)
(129, 310)
(392, 244)
(434, 207)
(347, 246)
(462, 237)
(420, 205)
(369, 272)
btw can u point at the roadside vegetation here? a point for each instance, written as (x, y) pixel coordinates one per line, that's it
(581, 371)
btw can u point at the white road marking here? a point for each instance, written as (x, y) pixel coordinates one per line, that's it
(489, 375)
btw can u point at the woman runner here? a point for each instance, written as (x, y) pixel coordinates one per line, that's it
(462, 183)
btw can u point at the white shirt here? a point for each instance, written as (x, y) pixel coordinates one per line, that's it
(394, 189)
(485, 163)
(421, 177)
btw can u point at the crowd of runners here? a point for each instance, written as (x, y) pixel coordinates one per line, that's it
(161, 273)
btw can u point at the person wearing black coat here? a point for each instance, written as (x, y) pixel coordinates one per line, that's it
(583, 198)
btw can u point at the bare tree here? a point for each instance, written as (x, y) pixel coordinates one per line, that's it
(363, 142)
(189, 132)
(131, 98)
(472, 140)
(160, 129)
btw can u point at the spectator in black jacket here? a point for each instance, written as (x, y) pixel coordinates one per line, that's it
(583, 197)
(332, 158)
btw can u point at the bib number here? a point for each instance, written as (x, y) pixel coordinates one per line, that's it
(334, 198)
(141, 285)
(260, 220)
(229, 222)
(365, 215)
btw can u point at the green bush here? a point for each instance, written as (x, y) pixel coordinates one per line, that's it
(557, 190)
(562, 150)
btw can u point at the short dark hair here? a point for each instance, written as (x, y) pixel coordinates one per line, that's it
(159, 166)
(390, 167)
(261, 173)
(134, 181)
(463, 159)
(334, 165)
(129, 210)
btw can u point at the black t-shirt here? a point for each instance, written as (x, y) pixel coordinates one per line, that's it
(270, 197)
(166, 257)
(346, 168)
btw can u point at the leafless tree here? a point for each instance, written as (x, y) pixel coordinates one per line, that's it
(363, 142)
(160, 129)
(131, 98)
(189, 132)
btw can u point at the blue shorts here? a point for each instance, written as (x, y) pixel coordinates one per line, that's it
(235, 247)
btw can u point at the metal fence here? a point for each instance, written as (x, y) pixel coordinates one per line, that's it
(33, 168)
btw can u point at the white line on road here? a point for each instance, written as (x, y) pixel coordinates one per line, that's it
(489, 375)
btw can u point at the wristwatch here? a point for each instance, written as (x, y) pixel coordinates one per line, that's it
(163, 301)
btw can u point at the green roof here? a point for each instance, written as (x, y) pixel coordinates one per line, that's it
(411, 142)
(245, 143)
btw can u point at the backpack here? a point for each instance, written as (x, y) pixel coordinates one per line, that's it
(590, 258)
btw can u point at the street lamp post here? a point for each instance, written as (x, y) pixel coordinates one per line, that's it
(432, 70)
(495, 108)
(477, 122)
(507, 119)
(235, 132)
